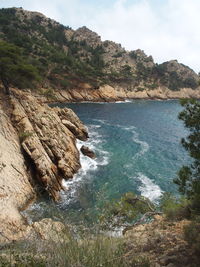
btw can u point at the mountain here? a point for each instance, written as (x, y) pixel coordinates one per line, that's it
(68, 59)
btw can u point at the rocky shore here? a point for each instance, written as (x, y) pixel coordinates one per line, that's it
(37, 150)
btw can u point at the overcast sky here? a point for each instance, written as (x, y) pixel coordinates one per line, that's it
(165, 29)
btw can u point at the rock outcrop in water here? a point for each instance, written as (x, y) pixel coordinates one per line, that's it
(88, 152)
(37, 147)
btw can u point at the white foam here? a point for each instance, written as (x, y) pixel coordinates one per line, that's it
(144, 145)
(148, 188)
(88, 165)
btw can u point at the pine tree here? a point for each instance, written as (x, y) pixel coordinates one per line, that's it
(14, 68)
(189, 176)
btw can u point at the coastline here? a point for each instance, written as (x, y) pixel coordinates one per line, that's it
(108, 94)
(42, 142)
(23, 120)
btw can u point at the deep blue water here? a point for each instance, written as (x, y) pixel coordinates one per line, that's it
(138, 149)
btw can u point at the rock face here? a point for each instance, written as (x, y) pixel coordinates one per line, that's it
(79, 62)
(48, 137)
(16, 189)
(41, 149)
(160, 241)
(88, 152)
(109, 94)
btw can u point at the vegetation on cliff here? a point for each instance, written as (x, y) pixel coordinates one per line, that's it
(32, 47)
(189, 176)
(66, 58)
(14, 69)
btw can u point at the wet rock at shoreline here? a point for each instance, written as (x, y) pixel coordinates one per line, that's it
(88, 152)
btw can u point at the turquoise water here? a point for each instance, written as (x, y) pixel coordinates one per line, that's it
(138, 149)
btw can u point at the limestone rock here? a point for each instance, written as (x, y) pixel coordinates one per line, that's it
(16, 184)
(88, 152)
(47, 229)
(72, 122)
(108, 93)
(85, 34)
(133, 71)
(41, 148)
(48, 142)
(160, 241)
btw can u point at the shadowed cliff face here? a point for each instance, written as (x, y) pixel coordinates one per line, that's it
(37, 145)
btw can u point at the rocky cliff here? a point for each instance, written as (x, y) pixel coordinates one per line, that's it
(37, 151)
(162, 242)
(80, 63)
(111, 94)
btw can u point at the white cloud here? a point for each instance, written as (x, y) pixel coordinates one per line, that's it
(165, 29)
(169, 31)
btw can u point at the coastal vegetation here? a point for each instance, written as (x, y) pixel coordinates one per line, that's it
(35, 53)
(65, 58)
(88, 243)
(15, 70)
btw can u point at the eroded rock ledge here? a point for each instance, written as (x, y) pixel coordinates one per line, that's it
(48, 137)
(37, 145)
(108, 93)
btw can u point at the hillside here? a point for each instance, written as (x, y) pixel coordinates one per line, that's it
(67, 59)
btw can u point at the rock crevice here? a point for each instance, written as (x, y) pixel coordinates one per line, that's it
(37, 146)
(48, 136)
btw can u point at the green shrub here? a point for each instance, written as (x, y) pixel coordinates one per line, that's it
(175, 208)
(140, 89)
(24, 135)
(49, 93)
(126, 210)
(119, 54)
(133, 54)
(153, 86)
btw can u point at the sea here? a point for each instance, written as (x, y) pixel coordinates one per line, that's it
(138, 149)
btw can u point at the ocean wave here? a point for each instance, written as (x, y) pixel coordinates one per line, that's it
(148, 188)
(119, 102)
(88, 165)
(144, 145)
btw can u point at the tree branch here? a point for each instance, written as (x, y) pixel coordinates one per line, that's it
(141, 220)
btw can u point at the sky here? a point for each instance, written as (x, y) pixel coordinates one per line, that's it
(165, 29)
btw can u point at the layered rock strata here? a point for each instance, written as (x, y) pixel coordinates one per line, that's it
(16, 189)
(109, 94)
(37, 146)
(48, 137)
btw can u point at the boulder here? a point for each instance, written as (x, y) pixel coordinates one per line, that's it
(88, 152)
